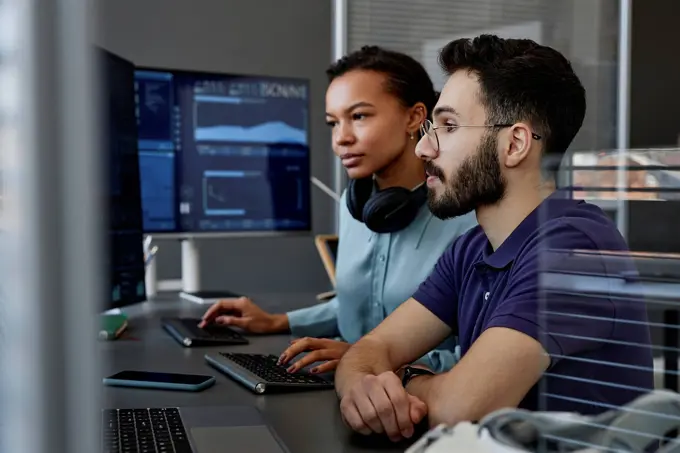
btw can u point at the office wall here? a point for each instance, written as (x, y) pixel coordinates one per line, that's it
(586, 31)
(655, 72)
(282, 38)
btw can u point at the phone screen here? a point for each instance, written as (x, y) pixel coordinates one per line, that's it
(165, 378)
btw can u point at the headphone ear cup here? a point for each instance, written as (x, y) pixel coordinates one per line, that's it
(391, 210)
(358, 193)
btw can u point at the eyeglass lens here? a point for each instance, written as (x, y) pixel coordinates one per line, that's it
(427, 128)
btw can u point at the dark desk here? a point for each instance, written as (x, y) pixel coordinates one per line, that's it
(306, 422)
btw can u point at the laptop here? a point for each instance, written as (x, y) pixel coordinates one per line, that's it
(327, 246)
(213, 429)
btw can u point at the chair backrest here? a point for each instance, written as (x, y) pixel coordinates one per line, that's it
(327, 246)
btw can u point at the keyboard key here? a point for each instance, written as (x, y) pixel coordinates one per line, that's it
(144, 431)
(267, 369)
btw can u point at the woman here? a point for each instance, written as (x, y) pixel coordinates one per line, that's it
(388, 240)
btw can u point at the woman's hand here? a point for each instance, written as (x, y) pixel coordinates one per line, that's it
(321, 350)
(242, 312)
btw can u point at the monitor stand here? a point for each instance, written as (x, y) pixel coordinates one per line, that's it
(191, 267)
(151, 279)
(191, 277)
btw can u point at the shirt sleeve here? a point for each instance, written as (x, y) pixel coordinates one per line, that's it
(319, 321)
(438, 292)
(564, 324)
(440, 360)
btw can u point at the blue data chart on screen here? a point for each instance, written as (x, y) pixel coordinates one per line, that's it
(240, 146)
(231, 119)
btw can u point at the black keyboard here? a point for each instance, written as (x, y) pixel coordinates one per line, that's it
(213, 331)
(187, 332)
(143, 431)
(260, 372)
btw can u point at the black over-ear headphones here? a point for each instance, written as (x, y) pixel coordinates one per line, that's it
(384, 211)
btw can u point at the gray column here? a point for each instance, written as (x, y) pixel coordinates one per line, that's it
(339, 49)
(53, 276)
(623, 111)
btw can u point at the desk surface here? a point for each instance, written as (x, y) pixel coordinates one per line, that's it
(306, 421)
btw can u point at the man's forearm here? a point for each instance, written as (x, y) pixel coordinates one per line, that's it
(428, 390)
(451, 404)
(365, 357)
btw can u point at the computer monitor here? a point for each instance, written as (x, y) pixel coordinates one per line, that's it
(223, 154)
(653, 226)
(119, 141)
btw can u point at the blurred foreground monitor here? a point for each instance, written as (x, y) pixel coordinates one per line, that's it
(651, 190)
(649, 174)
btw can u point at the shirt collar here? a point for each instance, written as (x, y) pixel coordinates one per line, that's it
(552, 207)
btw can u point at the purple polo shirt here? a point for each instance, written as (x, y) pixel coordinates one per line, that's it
(600, 348)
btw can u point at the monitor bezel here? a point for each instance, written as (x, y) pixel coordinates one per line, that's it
(110, 304)
(180, 234)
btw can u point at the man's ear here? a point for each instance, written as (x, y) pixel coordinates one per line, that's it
(417, 116)
(517, 144)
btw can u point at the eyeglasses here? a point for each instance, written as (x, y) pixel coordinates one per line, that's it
(429, 129)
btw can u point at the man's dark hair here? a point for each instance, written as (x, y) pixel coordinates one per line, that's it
(521, 80)
(406, 78)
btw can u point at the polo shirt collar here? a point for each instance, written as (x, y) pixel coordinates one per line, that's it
(552, 207)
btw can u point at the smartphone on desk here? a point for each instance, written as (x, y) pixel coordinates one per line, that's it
(163, 381)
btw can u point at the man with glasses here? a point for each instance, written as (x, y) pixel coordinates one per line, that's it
(507, 104)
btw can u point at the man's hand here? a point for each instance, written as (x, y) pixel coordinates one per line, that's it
(380, 404)
(243, 313)
(322, 349)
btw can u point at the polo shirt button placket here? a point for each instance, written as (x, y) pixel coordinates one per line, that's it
(376, 312)
(377, 303)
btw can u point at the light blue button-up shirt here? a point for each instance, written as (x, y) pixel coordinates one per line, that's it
(375, 273)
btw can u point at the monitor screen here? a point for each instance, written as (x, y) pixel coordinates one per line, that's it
(119, 135)
(223, 153)
(653, 225)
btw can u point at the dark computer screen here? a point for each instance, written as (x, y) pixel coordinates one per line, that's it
(653, 226)
(119, 140)
(223, 153)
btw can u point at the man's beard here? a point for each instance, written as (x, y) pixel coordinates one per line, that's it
(478, 182)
